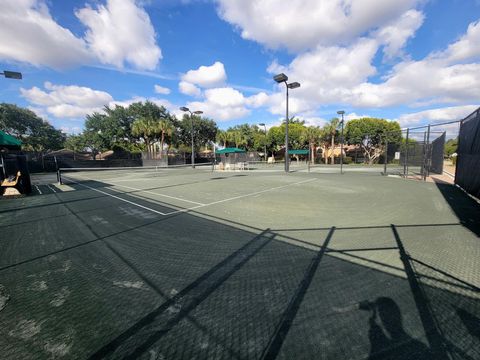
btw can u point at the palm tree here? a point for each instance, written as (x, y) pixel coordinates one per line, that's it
(146, 128)
(223, 137)
(312, 136)
(164, 127)
(331, 129)
(239, 138)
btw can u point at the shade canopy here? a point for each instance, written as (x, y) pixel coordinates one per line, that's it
(230, 151)
(298, 152)
(8, 141)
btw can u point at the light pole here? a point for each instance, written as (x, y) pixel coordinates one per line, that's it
(341, 112)
(183, 108)
(282, 78)
(265, 145)
(12, 74)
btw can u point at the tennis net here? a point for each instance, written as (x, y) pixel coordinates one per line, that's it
(67, 176)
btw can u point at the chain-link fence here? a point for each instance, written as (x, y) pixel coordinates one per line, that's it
(467, 173)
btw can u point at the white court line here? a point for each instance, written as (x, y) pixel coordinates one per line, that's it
(38, 189)
(51, 188)
(240, 196)
(154, 193)
(119, 198)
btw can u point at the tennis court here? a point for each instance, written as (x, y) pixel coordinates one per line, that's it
(189, 263)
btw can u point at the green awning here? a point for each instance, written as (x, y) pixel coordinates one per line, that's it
(298, 152)
(230, 151)
(9, 141)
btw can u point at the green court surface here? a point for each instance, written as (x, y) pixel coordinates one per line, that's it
(194, 264)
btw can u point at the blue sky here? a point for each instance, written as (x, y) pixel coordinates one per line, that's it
(415, 61)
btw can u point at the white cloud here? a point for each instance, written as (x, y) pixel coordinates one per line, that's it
(304, 24)
(29, 34)
(257, 100)
(188, 89)
(69, 101)
(117, 33)
(466, 48)
(161, 90)
(121, 32)
(438, 115)
(73, 102)
(395, 35)
(206, 76)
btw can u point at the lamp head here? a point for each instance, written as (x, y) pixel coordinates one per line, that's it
(183, 108)
(340, 112)
(261, 124)
(293, 85)
(198, 112)
(12, 75)
(280, 78)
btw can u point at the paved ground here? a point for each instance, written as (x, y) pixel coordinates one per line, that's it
(242, 265)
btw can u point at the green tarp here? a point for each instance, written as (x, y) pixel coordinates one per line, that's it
(230, 151)
(9, 141)
(298, 152)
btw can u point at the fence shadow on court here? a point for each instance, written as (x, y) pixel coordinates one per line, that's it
(465, 208)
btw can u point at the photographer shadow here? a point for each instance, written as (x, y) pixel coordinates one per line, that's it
(388, 338)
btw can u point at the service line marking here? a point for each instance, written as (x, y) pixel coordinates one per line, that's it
(154, 193)
(52, 189)
(119, 198)
(38, 189)
(240, 196)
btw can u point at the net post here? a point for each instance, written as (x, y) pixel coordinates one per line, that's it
(59, 177)
(424, 156)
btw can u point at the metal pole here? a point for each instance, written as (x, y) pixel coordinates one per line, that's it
(386, 157)
(428, 156)
(287, 165)
(265, 147)
(424, 156)
(405, 166)
(193, 150)
(3, 167)
(341, 150)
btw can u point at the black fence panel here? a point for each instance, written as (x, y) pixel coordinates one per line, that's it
(468, 155)
(437, 154)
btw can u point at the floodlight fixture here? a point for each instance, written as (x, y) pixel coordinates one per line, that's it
(340, 112)
(198, 112)
(12, 75)
(183, 108)
(280, 78)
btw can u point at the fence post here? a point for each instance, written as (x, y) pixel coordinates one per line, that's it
(385, 157)
(405, 164)
(428, 156)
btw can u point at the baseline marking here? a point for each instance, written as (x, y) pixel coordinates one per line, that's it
(38, 189)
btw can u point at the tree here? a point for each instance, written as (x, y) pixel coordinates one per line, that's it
(296, 140)
(35, 133)
(312, 136)
(330, 131)
(451, 147)
(223, 137)
(146, 128)
(165, 128)
(371, 134)
(204, 131)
